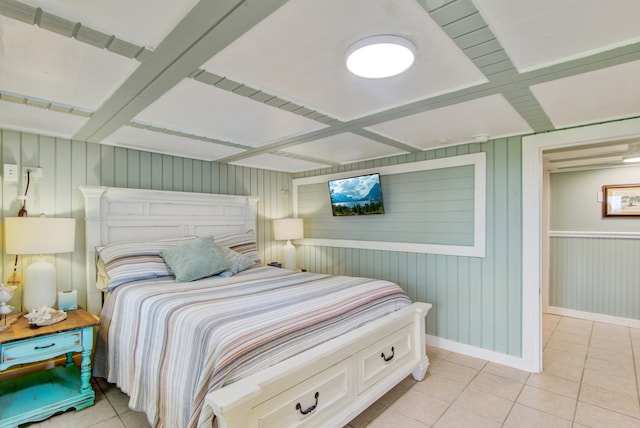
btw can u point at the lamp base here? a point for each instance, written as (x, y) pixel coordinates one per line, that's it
(289, 256)
(39, 285)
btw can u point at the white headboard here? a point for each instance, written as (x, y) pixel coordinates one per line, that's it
(115, 214)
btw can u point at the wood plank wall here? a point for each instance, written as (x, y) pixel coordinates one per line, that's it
(598, 275)
(475, 301)
(68, 164)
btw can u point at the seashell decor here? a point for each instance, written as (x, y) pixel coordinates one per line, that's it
(45, 316)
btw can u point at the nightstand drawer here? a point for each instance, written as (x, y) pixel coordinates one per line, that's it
(41, 348)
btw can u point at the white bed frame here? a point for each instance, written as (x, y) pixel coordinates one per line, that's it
(327, 385)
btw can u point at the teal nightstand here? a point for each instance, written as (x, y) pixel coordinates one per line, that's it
(37, 396)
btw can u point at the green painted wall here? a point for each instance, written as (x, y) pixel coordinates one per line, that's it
(68, 164)
(475, 301)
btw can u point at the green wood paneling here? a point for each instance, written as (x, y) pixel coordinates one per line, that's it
(476, 301)
(69, 164)
(598, 275)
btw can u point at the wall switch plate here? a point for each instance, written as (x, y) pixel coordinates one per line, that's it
(10, 172)
(599, 197)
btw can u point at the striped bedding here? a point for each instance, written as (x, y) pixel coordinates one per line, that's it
(168, 344)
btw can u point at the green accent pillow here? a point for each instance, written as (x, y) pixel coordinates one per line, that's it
(195, 260)
(238, 262)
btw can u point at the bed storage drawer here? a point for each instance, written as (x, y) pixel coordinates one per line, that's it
(383, 356)
(324, 392)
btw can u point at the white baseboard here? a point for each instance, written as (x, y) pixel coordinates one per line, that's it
(473, 351)
(590, 316)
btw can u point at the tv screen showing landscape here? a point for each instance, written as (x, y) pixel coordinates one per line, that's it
(356, 195)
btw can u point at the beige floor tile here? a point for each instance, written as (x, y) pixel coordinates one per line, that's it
(437, 353)
(498, 385)
(526, 417)
(397, 391)
(101, 411)
(464, 360)
(133, 419)
(458, 417)
(414, 405)
(593, 416)
(550, 320)
(606, 366)
(603, 342)
(614, 333)
(553, 383)
(504, 371)
(114, 422)
(565, 371)
(548, 402)
(615, 356)
(480, 402)
(556, 355)
(567, 323)
(624, 384)
(454, 372)
(556, 342)
(438, 386)
(367, 416)
(611, 400)
(572, 338)
(393, 419)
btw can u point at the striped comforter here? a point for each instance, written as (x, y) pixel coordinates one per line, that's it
(168, 344)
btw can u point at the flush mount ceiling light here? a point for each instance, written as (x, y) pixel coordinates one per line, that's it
(380, 56)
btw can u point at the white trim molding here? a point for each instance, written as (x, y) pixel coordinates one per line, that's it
(594, 234)
(476, 352)
(478, 160)
(591, 316)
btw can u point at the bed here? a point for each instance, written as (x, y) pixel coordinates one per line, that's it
(251, 347)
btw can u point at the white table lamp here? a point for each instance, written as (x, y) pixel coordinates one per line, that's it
(40, 236)
(288, 229)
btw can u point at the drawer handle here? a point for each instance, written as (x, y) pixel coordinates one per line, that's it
(310, 408)
(390, 357)
(45, 347)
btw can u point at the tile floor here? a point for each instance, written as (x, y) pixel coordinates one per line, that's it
(591, 379)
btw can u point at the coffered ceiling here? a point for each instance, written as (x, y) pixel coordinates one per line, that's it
(262, 83)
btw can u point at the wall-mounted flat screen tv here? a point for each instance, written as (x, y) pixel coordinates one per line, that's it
(356, 195)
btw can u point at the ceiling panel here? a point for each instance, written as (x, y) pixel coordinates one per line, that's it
(606, 94)
(206, 110)
(492, 116)
(141, 21)
(279, 163)
(543, 32)
(299, 53)
(22, 117)
(137, 138)
(46, 65)
(344, 148)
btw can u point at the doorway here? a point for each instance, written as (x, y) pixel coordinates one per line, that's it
(533, 190)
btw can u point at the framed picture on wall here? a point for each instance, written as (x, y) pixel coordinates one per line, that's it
(621, 200)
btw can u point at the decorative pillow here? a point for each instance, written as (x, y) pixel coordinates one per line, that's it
(195, 260)
(243, 243)
(124, 262)
(150, 248)
(239, 262)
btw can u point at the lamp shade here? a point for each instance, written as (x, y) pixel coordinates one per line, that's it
(288, 228)
(39, 235)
